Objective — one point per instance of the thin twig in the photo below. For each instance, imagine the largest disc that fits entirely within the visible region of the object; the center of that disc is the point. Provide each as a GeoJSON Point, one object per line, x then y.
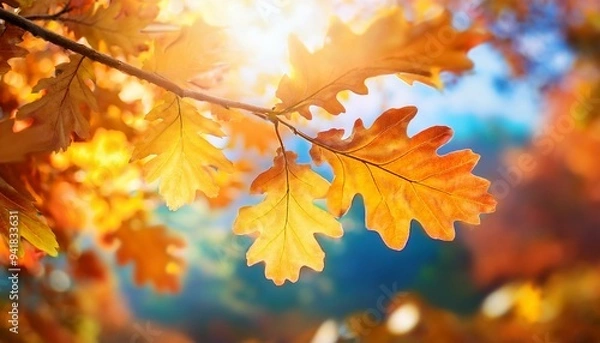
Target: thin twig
{"type": "Point", "coordinates": [94, 55]}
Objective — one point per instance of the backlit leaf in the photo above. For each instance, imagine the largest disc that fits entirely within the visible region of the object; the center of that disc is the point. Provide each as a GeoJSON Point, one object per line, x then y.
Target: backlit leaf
{"type": "Point", "coordinates": [391, 45]}
{"type": "Point", "coordinates": [195, 49]}
{"type": "Point", "coordinates": [286, 221]}
{"type": "Point", "coordinates": [109, 28]}
{"type": "Point", "coordinates": [138, 243]}
{"type": "Point", "coordinates": [57, 114]}
{"type": "Point", "coordinates": [402, 178]}
{"type": "Point", "coordinates": [10, 36]}
{"type": "Point", "coordinates": [30, 225]}
{"type": "Point", "coordinates": [181, 157]}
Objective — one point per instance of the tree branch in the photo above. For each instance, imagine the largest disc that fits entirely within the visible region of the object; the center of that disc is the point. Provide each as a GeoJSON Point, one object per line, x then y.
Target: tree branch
{"type": "Point", "coordinates": [94, 55]}
{"type": "Point", "coordinates": [263, 113]}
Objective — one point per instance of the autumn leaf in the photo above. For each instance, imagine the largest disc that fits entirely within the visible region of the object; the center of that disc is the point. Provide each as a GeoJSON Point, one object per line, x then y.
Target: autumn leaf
{"type": "Point", "coordinates": [390, 45]}
{"type": "Point", "coordinates": [286, 221]}
{"type": "Point", "coordinates": [109, 28]}
{"type": "Point", "coordinates": [149, 248]}
{"type": "Point", "coordinates": [35, 7]}
{"type": "Point", "coordinates": [57, 114]}
{"type": "Point", "coordinates": [10, 36]}
{"type": "Point", "coordinates": [20, 145]}
{"type": "Point", "coordinates": [182, 158]}
{"type": "Point", "coordinates": [230, 185]}
{"type": "Point", "coordinates": [143, 9]}
{"type": "Point", "coordinates": [402, 178]}
{"type": "Point", "coordinates": [31, 225]}
{"type": "Point", "coordinates": [250, 133]}
{"type": "Point", "coordinates": [194, 50]}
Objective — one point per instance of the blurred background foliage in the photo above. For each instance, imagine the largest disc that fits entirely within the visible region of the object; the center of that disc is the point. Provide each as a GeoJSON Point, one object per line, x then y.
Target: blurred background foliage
{"type": "Point", "coordinates": [529, 273]}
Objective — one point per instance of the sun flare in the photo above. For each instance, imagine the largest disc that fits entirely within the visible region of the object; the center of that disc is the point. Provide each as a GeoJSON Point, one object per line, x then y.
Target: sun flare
{"type": "Point", "coordinates": [260, 29]}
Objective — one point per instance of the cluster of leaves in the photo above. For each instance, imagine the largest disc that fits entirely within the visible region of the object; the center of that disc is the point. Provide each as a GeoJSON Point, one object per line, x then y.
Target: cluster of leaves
{"type": "Point", "coordinates": [78, 154]}
{"type": "Point", "coordinates": [401, 178]}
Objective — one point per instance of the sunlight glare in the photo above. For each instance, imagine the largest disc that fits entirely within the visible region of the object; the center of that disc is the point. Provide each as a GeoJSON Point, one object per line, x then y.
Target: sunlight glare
{"type": "Point", "coordinates": [260, 29]}
{"type": "Point", "coordinates": [499, 302]}
{"type": "Point", "coordinates": [326, 333]}
{"type": "Point", "coordinates": [404, 319]}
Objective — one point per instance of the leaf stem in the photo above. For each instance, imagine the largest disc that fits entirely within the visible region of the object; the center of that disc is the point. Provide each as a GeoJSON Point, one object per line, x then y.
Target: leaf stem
{"type": "Point", "coordinates": [327, 147]}
{"type": "Point", "coordinates": [39, 31]}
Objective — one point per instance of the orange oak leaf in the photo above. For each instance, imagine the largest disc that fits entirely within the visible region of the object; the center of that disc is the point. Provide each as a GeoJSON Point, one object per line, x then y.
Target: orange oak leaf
{"type": "Point", "coordinates": [181, 157]}
{"type": "Point", "coordinates": [390, 45]}
{"type": "Point", "coordinates": [30, 225]}
{"type": "Point", "coordinates": [10, 36]}
{"type": "Point", "coordinates": [143, 9]}
{"type": "Point", "coordinates": [57, 114]}
{"type": "Point", "coordinates": [14, 147]}
{"type": "Point", "coordinates": [51, 7]}
{"type": "Point", "coordinates": [109, 28]}
{"type": "Point", "coordinates": [150, 249]}
{"type": "Point", "coordinates": [194, 50]}
{"type": "Point", "coordinates": [286, 221]}
{"type": "Point", "coordinates": [402, 178]}
{"type": "Point", "coordinates": [231, 185]}
{"type": "Point", "coordinates": [251, 133]}
{"type": "Point", "coordinates": [36, 7]}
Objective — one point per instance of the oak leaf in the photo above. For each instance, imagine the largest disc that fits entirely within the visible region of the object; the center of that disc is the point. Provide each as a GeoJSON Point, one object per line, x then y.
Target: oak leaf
{"type": "Point", "coordinates": [109, 28]}
{"type": "Point", "coordinates": [149, 248]}
{"type": "Point", "coordinates": [286, 221]}
{"type": "Point", "coordinates": [390, 45]}
{"type": "Point", "coordinates": [181, 157]}
{"type": "Point", "coordinates": [31, 225]}
{"type": "Point", "coordinates": [402, 178]}
{"type": "Point", "coordinates": [12, 147]}
{"type": "Point", "coordinates": [57, 114]}
{"type": "Point", "coordinates": [10, 36]}
{"type": "Point", "coordinates": [143, 9]}
{"type": "Point", "coordinates": [194, 50]}
{"type": "Point", "coordinates": [37, 7]}
{"type": "Point", "coordinates": [231, 185]}
{"type": "Point", "coordinates": [249, 132]}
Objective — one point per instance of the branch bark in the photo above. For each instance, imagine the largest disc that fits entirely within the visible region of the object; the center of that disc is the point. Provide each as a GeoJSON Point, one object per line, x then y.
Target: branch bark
{"type": "Point", "coordinates": [263, 113]}
{"type": "Point", "coordinates": [97, 56]}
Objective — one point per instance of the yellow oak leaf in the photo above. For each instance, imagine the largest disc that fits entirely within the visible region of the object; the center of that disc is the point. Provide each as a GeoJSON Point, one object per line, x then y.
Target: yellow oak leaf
{"type": "Point", "coordinates": [402, 178]}
{"type": "Point", "coordinates": [390, 45]}
{"type": "Point", "coordinates": [30, 225]}
{"type": "Point", "coordinates": [150, 249]}
{"type": "Point", "coordinates": [194, 50]}
{"type": "Point", "coordinates": [181, 157]}
{"type": "Point", "coordinates": [231, 185]}
{"type": "Point", "coordinates": [36, 7]}
{"type": "Point", "coordinates": [286, 221]}
{"type": "Point", "coordinates": [10, 36]}
{"type": "Point", "coordinates": [57, 114]}
{"type": "Point", "coordinates": [109, 28]}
